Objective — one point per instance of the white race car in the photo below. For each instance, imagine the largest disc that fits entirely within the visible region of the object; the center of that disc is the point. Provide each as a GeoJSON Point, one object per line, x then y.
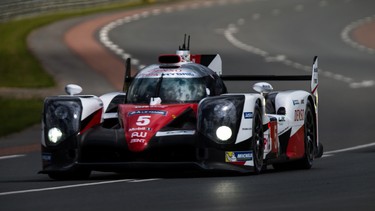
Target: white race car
{"type": "Point", "coordinates": [178, 114]}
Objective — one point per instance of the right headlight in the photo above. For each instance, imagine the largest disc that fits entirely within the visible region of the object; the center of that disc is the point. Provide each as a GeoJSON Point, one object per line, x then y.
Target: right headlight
{"type": "Point", "coordinates": [61, 118]}
{"type": "Point", "coordinates": [219, 118]}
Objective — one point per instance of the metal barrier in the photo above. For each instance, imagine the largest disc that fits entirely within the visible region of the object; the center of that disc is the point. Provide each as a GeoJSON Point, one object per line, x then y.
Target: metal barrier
{"type": "Point", "coordinates": [10, 9]}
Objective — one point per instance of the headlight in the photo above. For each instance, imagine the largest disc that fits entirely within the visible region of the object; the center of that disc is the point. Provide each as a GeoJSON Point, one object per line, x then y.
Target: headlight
{"type": "Point", "coordinates": [61, 118]}
{"type": "Point", "coordinates": [219, 118]}
{"type": "Point", "coordinates": [62, 112]}
{"type": "Point", "coordinates": [54, 135]}
{"type": "Point", "coordinates": [224, 133]}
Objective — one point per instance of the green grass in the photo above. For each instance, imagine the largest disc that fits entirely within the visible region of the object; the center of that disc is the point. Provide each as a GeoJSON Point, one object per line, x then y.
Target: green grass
{"type": "Point", "coordinates": [17, 114]}
{"type": "Point", "coordinates": [19, 68]}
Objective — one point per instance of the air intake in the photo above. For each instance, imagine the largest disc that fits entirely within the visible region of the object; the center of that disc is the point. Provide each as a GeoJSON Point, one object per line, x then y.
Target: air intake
{"type": "Point", "coordinates": [169, 59]}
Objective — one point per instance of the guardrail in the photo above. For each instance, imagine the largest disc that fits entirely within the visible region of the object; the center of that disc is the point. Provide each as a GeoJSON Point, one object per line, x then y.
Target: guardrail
{"type": "Point", "coordinates": [10, 9]}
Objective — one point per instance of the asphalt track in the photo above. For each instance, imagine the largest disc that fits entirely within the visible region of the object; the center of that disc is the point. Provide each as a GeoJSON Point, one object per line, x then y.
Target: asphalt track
{"type": "Point", "coordinates": [253, 37]}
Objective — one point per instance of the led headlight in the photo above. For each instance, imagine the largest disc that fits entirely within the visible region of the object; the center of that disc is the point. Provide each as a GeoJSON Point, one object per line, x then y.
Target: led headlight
{"type": "Point", "coordinates": [54, 135]}
{"type": "Point", "coordinates": [61, 118]}
{"type": "Point", "coordinates": [224, 133]}
{"type": "Point", "coordinates": [219, 118]}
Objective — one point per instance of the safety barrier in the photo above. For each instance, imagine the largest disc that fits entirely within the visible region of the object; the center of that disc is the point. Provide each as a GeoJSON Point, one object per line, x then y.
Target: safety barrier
{"type": "Point", "coordinates": [10, 9]}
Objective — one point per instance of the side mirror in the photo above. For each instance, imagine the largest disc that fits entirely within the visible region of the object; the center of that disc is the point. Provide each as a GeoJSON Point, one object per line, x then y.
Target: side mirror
{"type": "Point", "coordinates": [263, 87]}
{"type": "Point", "coordinates": [73, 89]}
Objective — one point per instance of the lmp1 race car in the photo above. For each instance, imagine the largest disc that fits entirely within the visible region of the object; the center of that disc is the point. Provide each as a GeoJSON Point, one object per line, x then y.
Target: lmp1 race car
{"type": "Point", "coordinates": [178, 115]}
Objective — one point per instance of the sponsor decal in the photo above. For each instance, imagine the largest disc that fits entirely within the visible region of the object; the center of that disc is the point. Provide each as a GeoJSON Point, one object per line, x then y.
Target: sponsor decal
{"type": "Point", "coordinates": [160, 112]}
{"type": "Point", "coordinates": [167, 73]}
{"type": "Point", "coordinates": [46, 157]}
{"type": "Point", "coordinates": [185, 74]}
{"type": "Point", "coordinates": [299, 115]}
{"type": "Point", "coordinates": [246, 128]}
{"type": "Point", "coordinates": [139, 134]}
{"type": "Point", "coordinates": [282, 119]}
{"type": "Point", "coordinates": [295, 102]}
{"type": "Point", "coordinates": [302, 101]}
{"type": "Point", "coordinates": [141, 106]}
{"type": "Point", "coordinates": [137, 140]}
{"type": "Point", "coordinates": [146, 75]}
{"type": "Point", "coordinates": [175, 132]}
{"type": "Point", "coordinates": [236, 156]}
{"type": "Point", "coordinates": [248, 115]}
{"type": "Point", "coordinates": [139, 128]}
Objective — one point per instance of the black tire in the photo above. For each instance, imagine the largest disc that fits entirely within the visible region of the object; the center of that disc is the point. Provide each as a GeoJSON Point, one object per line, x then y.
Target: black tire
{"type": "Point", "coordinates": [310, 139]}
{"type": "Point", "coordinates": [70, 175]}
{"type": "Point", "coordinates": [257, 142]}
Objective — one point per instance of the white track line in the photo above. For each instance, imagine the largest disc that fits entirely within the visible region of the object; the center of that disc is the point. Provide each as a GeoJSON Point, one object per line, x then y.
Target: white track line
{"type": "Point", "coordinates": [349, 149]}
{"type": "Point", "coordinates": [11, 156]}
{"type": "Point", "coordinates": [74, 186]}
{"type": "Point", "coordinates": [345, 34]}
{"type": "Point", "coordinates": [104, 32]}
{"type": "Point", "coordinates": [229, 35]}
{"type": "Point", "coordinates": [326, 154]}
{"type": "Point", "coordinates": [232, 29]}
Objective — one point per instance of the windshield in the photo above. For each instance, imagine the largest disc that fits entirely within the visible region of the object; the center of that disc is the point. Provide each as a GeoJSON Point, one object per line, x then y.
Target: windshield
{"type": "Point", "coordinates": [171, 90]}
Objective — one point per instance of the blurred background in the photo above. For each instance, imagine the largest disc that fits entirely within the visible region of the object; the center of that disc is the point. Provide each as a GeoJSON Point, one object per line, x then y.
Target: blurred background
{"type": "Point", "coordinates": [10, 9]}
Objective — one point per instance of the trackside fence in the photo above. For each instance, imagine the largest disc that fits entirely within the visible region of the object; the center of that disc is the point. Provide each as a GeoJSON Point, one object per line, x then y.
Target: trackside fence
{"type": "Point", "coordinates": [11, 9]}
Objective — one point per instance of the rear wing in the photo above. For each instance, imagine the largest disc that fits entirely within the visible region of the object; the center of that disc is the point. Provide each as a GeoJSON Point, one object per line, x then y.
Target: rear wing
{"type": "Point", "coordinates": [313, 78]}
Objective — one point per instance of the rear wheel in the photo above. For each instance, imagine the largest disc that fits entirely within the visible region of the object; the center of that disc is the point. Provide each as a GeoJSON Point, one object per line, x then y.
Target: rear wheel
{"type": "Point", "coordinates": [257, 142]}
{"type": "Point", "coordinates": [310, 144]}
{"type": "Point", "coordinates": [310, 139]}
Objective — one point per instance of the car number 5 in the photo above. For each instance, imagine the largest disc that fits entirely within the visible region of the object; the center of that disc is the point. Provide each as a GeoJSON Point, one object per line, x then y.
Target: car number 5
{"type": "Point", "coordinates": [143, 120]}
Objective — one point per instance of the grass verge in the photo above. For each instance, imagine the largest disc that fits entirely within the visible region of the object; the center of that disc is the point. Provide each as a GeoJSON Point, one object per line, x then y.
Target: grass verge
{"type": "Point", "coordinates": [17, 114]}
{"type": "Point", "coordinates": [19, 68]}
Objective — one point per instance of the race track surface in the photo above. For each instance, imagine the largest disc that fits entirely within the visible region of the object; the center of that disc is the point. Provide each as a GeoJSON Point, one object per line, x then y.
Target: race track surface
{"type": "Point", "coordinates": [252, 37]}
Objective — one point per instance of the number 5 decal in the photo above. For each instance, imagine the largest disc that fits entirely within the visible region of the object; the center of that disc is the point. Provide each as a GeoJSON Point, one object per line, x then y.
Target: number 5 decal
{"type": "Point", "coordinates": [143, 120]}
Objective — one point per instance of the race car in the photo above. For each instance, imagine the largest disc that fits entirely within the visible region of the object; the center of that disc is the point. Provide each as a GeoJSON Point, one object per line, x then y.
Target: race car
{"type": "Point", "coordinates": [178, 114]}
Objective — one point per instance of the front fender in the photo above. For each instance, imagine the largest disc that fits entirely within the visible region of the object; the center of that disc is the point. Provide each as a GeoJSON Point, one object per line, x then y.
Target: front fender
{"type": "Point", "coordinates": [64, 119]}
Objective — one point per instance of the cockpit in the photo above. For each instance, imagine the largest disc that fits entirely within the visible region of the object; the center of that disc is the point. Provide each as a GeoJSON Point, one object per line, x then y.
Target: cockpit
{"type": "Point", "coordinates": [170, 90]}
{"type": "Point", "coordinates": [186, 83]}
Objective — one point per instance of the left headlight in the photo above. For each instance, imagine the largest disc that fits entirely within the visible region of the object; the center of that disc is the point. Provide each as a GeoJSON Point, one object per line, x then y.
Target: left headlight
{"type": "Point", "coordinates": [54, 135]}
{"type": "Point", "coordinates": [61, 118]}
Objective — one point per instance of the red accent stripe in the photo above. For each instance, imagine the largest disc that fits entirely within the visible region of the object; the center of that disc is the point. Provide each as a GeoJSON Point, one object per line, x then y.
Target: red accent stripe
{"type": "Point", "coordinates": [314, 90]}
{"type": "Point", "coordinates": [95, 120]}
{"type": "Point", "coordinates": [238, 163]}
{"type": "Point", "coordinates": [296, 144]}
